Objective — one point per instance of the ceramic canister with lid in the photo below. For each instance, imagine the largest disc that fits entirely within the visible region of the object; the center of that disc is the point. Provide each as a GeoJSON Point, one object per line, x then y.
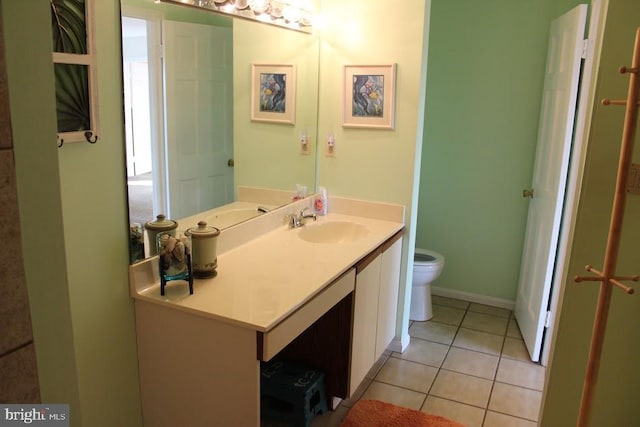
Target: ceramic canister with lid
{"type": "Point", "coordinates": [204, 258]}
{"type": "Point", "coordinates": [153, 228]}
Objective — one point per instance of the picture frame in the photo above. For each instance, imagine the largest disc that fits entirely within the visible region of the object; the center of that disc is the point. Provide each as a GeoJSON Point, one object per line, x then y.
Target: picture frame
{"type": "Point", "coordinates": [369, 96]}
{"type": "Point", "coordinates": [273, 93]}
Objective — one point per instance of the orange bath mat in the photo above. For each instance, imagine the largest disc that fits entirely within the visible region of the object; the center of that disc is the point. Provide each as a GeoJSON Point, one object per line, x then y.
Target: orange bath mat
{"type": "Point", "coordinates": [374, 413]}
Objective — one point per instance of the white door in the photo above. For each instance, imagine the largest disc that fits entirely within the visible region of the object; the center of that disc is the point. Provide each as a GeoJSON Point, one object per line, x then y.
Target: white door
{"type": "Point", "coordinates": [553, 152]}
{"type": "Point", "coordinates": [140, 117]}
{"type": "Point", "coordinates": [198, 106]}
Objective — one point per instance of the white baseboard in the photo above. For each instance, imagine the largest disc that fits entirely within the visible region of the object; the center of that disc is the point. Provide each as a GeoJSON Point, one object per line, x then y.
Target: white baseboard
{"type": "Point", "coordinates": [399, 345]}
{"type": "Point", "coordinates": [471, 297]}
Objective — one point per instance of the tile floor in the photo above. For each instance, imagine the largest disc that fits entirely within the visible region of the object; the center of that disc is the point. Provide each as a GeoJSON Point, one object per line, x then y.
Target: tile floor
{"type": "Point", "coordinates": [468, 363]}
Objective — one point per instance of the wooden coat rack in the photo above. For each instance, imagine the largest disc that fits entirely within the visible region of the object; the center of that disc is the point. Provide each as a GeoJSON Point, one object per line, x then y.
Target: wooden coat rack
{"type": "Point", "coordinates": [608, 278]}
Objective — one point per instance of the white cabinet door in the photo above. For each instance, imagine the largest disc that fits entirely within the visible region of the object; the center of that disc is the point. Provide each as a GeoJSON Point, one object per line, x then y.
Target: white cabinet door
{"type": "Point", "coordinates": [365, 317]}
{"type": "Point", "coordinates": [388, 296]}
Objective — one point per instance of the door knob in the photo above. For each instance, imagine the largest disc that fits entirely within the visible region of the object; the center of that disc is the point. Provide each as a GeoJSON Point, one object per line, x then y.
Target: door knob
{"type": "Point", "coordinates": [527, 193]}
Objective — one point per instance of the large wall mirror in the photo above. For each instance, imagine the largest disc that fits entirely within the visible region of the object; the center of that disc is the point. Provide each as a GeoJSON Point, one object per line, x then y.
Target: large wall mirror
{"type": "Point", "coordinates": [193, 145]}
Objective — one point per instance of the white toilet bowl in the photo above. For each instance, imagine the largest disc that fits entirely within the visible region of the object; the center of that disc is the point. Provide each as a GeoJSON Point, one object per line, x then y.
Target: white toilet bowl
{"type": "Point", "coordinates": [427, 266]}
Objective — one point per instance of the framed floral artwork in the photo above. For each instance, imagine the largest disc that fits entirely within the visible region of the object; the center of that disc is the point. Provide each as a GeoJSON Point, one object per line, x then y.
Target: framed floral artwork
{"type": "Point", "coordinates": [273, 93]}
{"type": "Point", "coordinates": [369, 96]}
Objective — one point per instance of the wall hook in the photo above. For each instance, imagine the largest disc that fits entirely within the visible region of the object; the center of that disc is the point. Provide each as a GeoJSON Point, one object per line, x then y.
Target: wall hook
{"type": "Point", "coordinates": [88, 134]}
{"type": "Point", "coordinates": [60, 142]}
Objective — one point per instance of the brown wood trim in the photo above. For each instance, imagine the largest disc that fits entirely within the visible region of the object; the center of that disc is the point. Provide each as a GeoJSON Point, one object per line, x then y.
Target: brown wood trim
{"type": "Point", "coordinates": [259, 344]}
{"type": "Point", "coordinates": [391, 240]}
{"type": "Point", "coordinates": [368, 259]}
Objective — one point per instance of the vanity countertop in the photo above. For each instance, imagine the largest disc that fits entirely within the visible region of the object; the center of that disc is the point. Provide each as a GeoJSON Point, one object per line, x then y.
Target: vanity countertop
{"type": "Point", "coordinates": [261, 282]}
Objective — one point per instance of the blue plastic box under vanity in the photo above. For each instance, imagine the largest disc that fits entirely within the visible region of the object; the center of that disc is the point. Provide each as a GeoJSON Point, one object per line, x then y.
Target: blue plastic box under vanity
{"type": "Point", "coordinates": [291, 393]}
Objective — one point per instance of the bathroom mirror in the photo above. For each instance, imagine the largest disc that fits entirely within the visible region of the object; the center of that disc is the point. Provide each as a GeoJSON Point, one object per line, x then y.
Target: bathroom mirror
{"type": "Point", "coordinates": [182, 118]}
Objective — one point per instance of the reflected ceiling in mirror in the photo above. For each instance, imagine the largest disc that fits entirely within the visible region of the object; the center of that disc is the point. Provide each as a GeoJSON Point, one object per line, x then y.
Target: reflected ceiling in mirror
{"type": "Point", "coordinates": [292, 14]}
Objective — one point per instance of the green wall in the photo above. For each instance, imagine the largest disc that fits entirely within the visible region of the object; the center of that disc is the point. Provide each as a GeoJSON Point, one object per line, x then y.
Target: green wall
{"type": "Point", "coordinates": [484, 88]}
{"type": "Point", "coordinates": [39, 196]}
{"type": "Point", "coordinates": [617, 402]}
{"type": "Point", "coordinates": [268, 154]}
{"type": "Point", "coordinates": [73, 207]}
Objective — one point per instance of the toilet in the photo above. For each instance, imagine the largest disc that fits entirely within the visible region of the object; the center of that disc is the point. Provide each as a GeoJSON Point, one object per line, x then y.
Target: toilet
{"type": "Point", "coordinates": [427, 266]}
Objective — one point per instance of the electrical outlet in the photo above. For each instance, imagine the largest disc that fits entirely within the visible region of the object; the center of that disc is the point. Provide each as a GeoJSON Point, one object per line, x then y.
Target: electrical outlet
{"type": "Point", "coordinates": [331, 146]}
{"type": "Point", "coordinates": [304, 144]}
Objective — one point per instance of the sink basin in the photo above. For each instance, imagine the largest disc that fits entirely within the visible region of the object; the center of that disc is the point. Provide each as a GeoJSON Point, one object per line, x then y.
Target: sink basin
{"type": "Point", "coordinates": [333, 232]}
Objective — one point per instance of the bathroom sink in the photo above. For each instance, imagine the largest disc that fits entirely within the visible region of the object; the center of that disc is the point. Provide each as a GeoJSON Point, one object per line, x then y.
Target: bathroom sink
{"type": "Point", "coordinates": [333, 232]}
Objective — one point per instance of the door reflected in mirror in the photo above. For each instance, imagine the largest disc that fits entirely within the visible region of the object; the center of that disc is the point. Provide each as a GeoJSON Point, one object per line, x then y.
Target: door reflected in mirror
{"type": "Point", "coordinates": [191, 147]}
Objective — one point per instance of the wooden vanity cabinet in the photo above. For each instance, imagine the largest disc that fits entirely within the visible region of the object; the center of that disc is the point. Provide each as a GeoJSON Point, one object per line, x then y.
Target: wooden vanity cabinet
{"type": "Point", "coordinates": [375, 306]}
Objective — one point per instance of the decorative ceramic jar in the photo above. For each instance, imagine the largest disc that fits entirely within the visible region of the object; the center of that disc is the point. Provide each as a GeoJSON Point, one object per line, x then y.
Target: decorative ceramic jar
{"type": "Point", "coordinates": [204, 252]}
{"type": "Point", "coordinates": [160, 225]}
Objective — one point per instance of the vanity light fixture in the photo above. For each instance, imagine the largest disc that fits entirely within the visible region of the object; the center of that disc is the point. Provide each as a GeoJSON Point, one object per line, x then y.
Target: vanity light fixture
{"type": "Point", "coordinates": [293, 14]}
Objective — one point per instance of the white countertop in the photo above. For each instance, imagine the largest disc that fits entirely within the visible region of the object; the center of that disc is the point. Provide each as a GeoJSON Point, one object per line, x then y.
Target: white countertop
{"type": "Point", "coordinates": [261, 282]}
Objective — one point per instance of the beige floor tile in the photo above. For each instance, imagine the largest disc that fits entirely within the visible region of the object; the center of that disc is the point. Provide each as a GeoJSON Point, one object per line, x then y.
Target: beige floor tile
{"type": "Point", "coordinates": [485, 323]}
{"type": "Point", "coordinates": [331, 418]}
{"type": "Point", "coordinates": [522, 374]}
{"type": "Point", "coordinates": [516, 401]}
{"type": "Point", "coordinates": [461, 388]}
{"type": "Point", "coordinates": [493, 419]}
{"type": "Point", "coordinates": [433, 331]}
{"type": "Point", "coordinates": [471, 362]}
{"type": "Point", "coordinates": [448, 315]}
{"type": "Point", "coordinates": [407, 374]}
{"type": "Point", "coordinates": [449, 302]}
{"type": "Point", "coordinates": [488, 309]}
{"type": "Point", "coordinates": [470, 416]}
{"type": "Point", "coordinates": [513, 330]}
{"type": "Point", "coordinates": [515, 348]}
{"type": "Point", "coordinates": [427, 352]}
{"type": "Point", "coordinates": [479, 341]}
{"type": "Point", "coordinates": [396, 395]}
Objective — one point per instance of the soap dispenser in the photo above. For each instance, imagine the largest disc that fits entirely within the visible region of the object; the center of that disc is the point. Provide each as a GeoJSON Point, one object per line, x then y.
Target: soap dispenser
{"type": "Point", "coordinates": [320, 201]}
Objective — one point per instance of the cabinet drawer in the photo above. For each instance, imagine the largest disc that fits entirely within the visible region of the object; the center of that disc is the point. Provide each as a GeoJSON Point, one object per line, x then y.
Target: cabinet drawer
{"type": "Point", "coordinates": [270, 343]}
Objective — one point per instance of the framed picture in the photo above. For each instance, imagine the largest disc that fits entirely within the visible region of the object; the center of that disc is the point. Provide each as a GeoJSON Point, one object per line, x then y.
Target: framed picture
{"type": "Point", "coordinates": [369, 96]}
{"type": "Point", "coordinates": [273, 93]}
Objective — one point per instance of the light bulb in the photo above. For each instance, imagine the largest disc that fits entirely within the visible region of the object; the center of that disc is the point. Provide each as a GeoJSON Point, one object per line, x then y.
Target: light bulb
{"type": "Point", "coordinates": [259, 6]}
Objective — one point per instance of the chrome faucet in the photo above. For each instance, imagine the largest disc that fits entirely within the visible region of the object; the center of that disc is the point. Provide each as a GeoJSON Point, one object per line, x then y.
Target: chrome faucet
{"type": "Point", "coordinates": [296, 221]}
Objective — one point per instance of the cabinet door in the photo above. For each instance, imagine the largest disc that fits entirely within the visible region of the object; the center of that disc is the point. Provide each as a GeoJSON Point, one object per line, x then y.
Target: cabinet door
{"type": "Point", "coordinates": [388, 296]}
{"type": "Point", "coordinates": [365, 316]}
